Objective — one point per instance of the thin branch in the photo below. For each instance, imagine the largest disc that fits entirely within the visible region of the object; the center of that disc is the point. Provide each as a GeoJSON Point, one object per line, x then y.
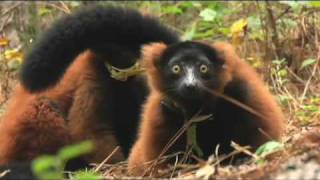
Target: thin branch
{"type": "Point", "coordinates": [295, 76]}
{"type": "Point", "coordinates": [11, 8]}
{"type": "Point", "coordinates": [106, 159]}
{"type": "Point", "coordinates": [63, 4]}
{"type": "Point", "coordinates": [274, 35]}
{"type": "Point", "coordinates": [67, 11]}
{"type": "Point", "coordinates": [283, 13]}
{"type": "Point", "coordinates": [310, 78]}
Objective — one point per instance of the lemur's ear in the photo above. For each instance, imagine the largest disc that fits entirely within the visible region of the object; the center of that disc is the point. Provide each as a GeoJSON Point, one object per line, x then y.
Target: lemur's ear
{"type": "Point", "coordinates": [152, 53]}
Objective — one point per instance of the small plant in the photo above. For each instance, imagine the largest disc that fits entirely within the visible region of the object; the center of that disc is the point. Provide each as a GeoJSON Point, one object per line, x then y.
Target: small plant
{"type": "Point", "coordinates": [48, 167]}
{"type": "Point", "coordinates": [267, 149]}
{"type": "Point", "coordinates": [309, 111]}
{"type": "Point", "coordinates": [86, 175]}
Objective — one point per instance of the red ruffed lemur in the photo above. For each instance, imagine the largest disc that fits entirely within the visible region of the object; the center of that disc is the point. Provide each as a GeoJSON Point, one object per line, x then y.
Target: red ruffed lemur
{"type": "Point", "coordinates": [188, 78]}
{"type": "Point", "coordinates": [66, 93]}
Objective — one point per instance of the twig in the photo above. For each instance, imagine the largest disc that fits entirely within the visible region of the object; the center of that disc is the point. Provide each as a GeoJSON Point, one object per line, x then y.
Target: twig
{"type": "Point", "coordinates": [236, 102]}
{"type": "Point", "coordinates": [194, 118]}
{"type": "Point", "coordinates": [233, 153]}
{"type": "Point", "coordinates": [106, 159]}
{"type": "Point", "coordinates": [283, 13]}
{"type": "Point", "coordinates": [67, 11]}
{"type": "Point", "coordinates": [168, 145]}
{"type": "Point", "coordinates": [5, 22]}
{"type": "Point", "coordinates": [274, 35]}
{"type": "Point", "coordinates": [5, 172]}
{"type": "Point", "coordinates": [244, 150]}
{"type": "Point", "coordinates": [296, 76]}
{"type": "Point", "coordinates": [65, 7]}
{"type": "Point", "coordinates": [311, 76]}
{"type": "Point", "coordinates": [11, 8]}
{"type": "Point", "coordinates": [265, 29]}
{"type": "Point", "coordinates": [265, 134]}
{"type": "Point", "coordinates": [174, 167]}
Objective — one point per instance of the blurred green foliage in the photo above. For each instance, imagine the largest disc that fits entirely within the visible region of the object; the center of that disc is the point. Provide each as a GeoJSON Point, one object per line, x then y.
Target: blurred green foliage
{"type": "Point", "coordinates": [52, 167]}
{"type": "Point", "coordinates": [267, 149]}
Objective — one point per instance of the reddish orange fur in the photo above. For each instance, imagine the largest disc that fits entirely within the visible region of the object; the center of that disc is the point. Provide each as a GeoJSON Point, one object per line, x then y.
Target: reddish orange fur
{"type": "Point", "coordinates": [154, 133]}
{"type": "Point", "coordinates": [151, 54]}
{"type": "Point", "coordinates": [262, 101]}
{"type": "Point", "coordinates": [32, 126]}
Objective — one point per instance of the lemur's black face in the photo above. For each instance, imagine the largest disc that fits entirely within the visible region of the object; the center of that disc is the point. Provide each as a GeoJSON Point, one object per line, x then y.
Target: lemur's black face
{"type": "Point", "coordinates": [189, 68]}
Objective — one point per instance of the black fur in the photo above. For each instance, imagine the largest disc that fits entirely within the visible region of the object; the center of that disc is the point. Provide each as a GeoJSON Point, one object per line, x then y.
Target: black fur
{"type": "Point", "coordinates": [228, 120]}
{"type": "Point", "coordinates": [185, 55]}
{"type": "Point", "coordinates": [108, 31]}
{"type": "Point", "coordinates": [18, 170]}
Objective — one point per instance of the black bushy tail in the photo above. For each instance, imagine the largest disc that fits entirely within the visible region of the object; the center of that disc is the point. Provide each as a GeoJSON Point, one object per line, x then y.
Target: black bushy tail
{"type": "Point", "coordinates": [89, 28]}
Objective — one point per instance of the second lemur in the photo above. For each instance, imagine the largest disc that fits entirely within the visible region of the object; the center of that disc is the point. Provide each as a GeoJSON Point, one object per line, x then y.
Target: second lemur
{"type": "Point", "coordinates": [182, 78]}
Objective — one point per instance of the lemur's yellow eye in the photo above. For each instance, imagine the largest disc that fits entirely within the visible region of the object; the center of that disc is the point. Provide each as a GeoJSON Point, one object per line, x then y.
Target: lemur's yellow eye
{"type": "Point", "coordinates": [204, 68]}
{"type": "Point", "coordinates": [176, 69]}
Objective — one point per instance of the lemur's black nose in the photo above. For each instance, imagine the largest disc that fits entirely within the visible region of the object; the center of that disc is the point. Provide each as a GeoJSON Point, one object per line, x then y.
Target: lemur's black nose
{"type": "Point", "coordinates": [190, 90]}
{"type": "Point", "coordinates": [191, 87]}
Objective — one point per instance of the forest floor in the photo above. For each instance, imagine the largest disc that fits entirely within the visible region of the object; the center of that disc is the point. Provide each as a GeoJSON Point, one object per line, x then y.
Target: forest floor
{"type": "Point", "coordinates": [298, 159]}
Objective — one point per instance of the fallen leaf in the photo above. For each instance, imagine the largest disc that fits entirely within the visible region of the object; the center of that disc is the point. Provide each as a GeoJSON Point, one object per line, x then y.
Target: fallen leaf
{"type": "Point", "coordinates": [237, 31]}
{"type": "Point", "coordinates": [238, 26]}
{"type": "Point", "coordinates": [4, 41]}
{"type": "Point", "coordinates": [13, 54]}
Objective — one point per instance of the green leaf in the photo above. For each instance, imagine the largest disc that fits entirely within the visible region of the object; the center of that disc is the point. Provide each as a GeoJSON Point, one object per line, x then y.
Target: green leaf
{"type": "Point", "coordinates": [268, 148]}
{"type": "Point", "coordinates": [204, 35]}
{"type": "Point", "coordinates": [52, 166]}
{"type": "Point", "coordinates": [44, 11]}
{"type": "Point", "coordinates": [283, 73]}
{"type": "Point", "coordinates": [225, 31]}
{"type": "Point", "coordinates": [313, 108]}
{"type": "Point", "coordinates": [76, 150]}
{"type": "Point", "coordinates": [192, 140]}
{"type": "Point", "coordinates": [279, 61]}
{"type": "Point", "coordinates": [47, 167]}
{"type": "Point", "coordinates": [172, 10]}
{"type": "Point", "coordinates": [307, 63]}
{"type": "Point", "coordinates": [208, 14]}
{"type": "Point", "coordinates": [283, 99]}
{"type": "Point", "coordinates": [315, 4]}
{"type": "Point", "coordinates": [186, 5]}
